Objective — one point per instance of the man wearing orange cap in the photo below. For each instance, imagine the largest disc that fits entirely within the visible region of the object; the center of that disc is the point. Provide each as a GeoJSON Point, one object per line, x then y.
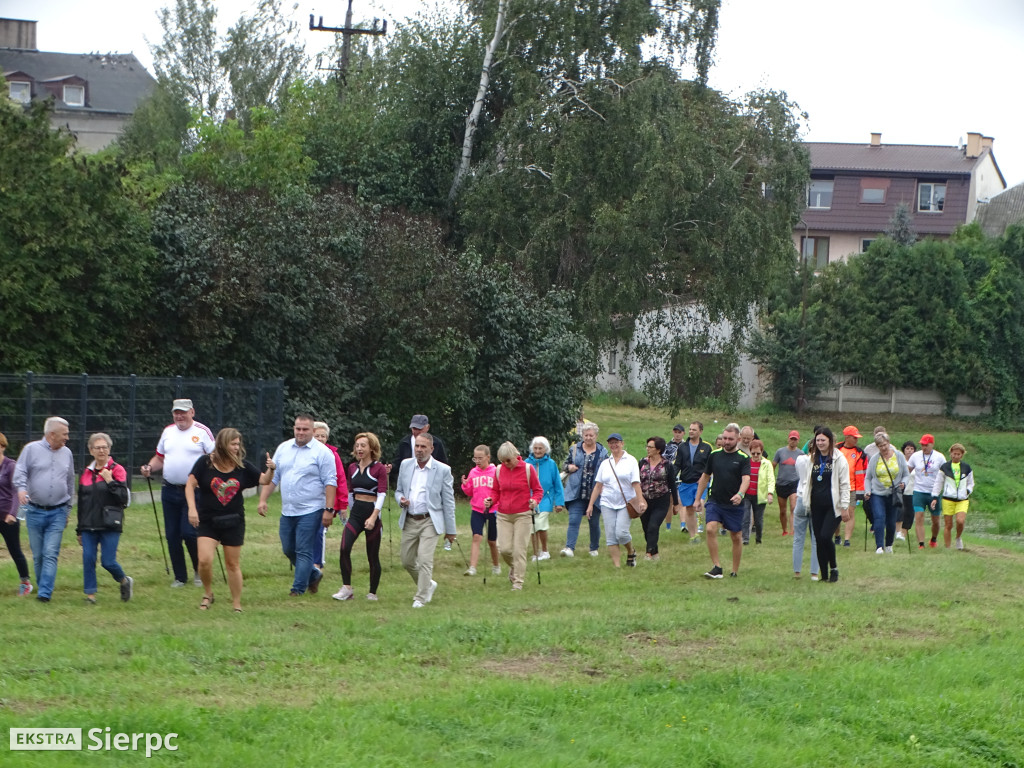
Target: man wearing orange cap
{"type": "Point", "coordinates": [925, 465]}
{"type": "Point", "coordinates": [858, 463]}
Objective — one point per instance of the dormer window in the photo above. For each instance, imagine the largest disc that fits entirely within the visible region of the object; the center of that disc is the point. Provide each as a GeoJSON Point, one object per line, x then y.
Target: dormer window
{"type": "Point", "coordinates": [74, 95]}
{"type": "Point", "coordinates": [931, 197]}
{"type": "Point", "coordinates": [19, 91]}
{"type": "Point", "coordinates": [819, 194]}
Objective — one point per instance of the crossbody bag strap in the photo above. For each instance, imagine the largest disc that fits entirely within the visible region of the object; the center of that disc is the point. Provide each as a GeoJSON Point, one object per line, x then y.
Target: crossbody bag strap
{"type": "Point", "coordinates": [617, 481]}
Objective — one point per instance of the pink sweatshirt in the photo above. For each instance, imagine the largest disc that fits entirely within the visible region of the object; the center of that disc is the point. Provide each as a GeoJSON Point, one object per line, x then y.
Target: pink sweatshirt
{"type": "Point", "coordinates": [478, 486]}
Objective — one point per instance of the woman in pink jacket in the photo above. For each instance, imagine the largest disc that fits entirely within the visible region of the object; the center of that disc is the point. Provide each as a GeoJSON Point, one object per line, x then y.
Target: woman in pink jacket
{"type": "Point", "coordinates": [516, 493]}
{"type": "Point", "coordinates": [478, 486]}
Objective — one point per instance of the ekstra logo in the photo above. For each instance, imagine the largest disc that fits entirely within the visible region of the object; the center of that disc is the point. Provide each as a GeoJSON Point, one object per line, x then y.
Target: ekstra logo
{"type": "Point", "coordinates": [50, 739]}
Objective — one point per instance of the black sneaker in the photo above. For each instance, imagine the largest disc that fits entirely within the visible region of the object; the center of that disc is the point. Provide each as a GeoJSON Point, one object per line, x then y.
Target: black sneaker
{"type": "Point", "coordinates": [838, 540]}
{"type": "Point", "coordinates": [126, 588]}
{"type": "Point", "coordinates": [732, 575]}
{"type": "Point", "coordinates": [631, 561]}
{"type": "Point", "coordinates": [834, 576]}
{"type": "Point", "coordinates": [42, 599]}
{"type": "Point", "coordinates": [714, 573]}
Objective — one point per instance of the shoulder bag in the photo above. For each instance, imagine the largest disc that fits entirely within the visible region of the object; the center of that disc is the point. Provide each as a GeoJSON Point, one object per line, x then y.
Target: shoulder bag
{"type": "Point", "coordinates": [634, 512]}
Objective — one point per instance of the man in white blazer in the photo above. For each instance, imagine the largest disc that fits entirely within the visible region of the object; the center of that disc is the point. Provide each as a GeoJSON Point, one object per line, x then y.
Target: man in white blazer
{"type": "Point", "coordinates": [426, 495]}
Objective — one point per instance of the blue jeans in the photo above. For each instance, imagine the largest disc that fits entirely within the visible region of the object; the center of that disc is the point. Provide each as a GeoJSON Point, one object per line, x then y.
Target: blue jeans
{"type": "Point", "coordinates": [178, 531]}
{"type": "Point", "coordinates": [577, 511]}
{"type": "Point", "coordinates": [45, 530]}
{"type": "Point", "coordinates": [107, 541]}
{"type": "Point", "coordinates": [299, 542]}
{"type": "Point", "coordinates": [883, 519]}
{"type": "Point", "coordinates": [801, 526]}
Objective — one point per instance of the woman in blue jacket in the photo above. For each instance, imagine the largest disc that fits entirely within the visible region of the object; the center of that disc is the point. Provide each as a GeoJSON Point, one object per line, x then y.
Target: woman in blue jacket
{"type": "Point", "coordinates": [554, 494]}
{"type": "Point", "coordinates": [581, 467]}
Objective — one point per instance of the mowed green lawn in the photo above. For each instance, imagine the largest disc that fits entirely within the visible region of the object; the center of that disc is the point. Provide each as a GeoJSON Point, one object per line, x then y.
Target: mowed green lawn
{"type": "Point", "coordinates": [912, 659]}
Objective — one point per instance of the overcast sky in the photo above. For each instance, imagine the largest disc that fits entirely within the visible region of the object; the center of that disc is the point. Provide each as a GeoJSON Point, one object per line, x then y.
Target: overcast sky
{"type": "Point", "coordinates": [919, 72]}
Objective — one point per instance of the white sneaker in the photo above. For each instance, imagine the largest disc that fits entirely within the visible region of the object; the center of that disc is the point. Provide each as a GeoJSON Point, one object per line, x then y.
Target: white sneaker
{"type": "Point", "coordinates": [471, 571]}
{"type": "Point", "coordinates": [900, 536]}
{"type": "Point", "coordinates": [447, 546]}
{"type": "Point", "coordinates": [815, 577]}
{"type": "Point", "coordinates": [417, 604]}
{"type": "Point", "coordinates": [880, 551]}
{"type": "Point", "coordinates": [175, 584]}
{"type": "Point", "coordinates": [566, 552]}
{"type": "Point", "coordinates": [959, 543]}
{"type": "Point", "coordinates": [431, 591]}
{"type": "Point", "coordinates": [593, 553]}
{"type": "Point", "coordinates": [533, 559]}
{"type": "Point", "coordinates": [196, 580]}
{"type": "Point", "coordinates": [345, 593]}
{"type": "Point", "coordinates": [545, 555]}
{"type": "Point", "coordinates": [888, 550]}
{"type": "Point", "coordinates": [496, 570]}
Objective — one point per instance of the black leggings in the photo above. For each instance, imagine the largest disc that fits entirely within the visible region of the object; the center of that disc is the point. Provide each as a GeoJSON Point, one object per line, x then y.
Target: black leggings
{"type": "Point", "coordinates": [12, 538]}
{"type": "Point", "coordinates": [355, 525]}
{"type": "Point", "coordinates": [825, 523]}
{"type": "Point", "coordinates": [652, 519]}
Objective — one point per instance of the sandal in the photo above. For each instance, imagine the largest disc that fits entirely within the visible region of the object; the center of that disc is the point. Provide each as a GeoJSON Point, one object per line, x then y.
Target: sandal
{"type": "Point", "coordinates": [206, 602]}
{"type": "Point", "coordinates": [238, 610]}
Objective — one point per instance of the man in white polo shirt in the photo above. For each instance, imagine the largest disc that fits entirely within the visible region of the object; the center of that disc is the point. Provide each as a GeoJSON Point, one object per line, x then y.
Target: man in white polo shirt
{"type": "Point", "coordinates": [180, 445]}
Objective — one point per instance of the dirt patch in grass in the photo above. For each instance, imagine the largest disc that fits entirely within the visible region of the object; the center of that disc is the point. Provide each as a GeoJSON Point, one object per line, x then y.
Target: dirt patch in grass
{"type": "Point", "coordinates": [545, 665]}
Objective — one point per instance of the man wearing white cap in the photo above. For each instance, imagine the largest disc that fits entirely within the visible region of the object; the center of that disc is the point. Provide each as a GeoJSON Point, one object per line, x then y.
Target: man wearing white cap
{"type": "Point", "coordinates": [180, 445]}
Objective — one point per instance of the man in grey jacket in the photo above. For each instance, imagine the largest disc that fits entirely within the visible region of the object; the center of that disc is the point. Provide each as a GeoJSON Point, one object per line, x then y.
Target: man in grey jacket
{"type": "Point", "coordinates": [45, 481]}
{"type": "Point", "coordinates": [426, 495]}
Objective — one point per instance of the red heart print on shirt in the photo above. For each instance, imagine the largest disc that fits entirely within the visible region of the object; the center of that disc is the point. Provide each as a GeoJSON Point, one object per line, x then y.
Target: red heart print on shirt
{"type": "Point", "coordinates": [225, 489]}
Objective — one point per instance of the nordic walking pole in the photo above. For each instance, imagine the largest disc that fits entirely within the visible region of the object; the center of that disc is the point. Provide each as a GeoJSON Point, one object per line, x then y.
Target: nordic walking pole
{"type": "Point", "coordinates": [533, 520]}
{"type": "Point", "coordinates": [159, 533]}
{"type": "Point", "coordinates": [391, 550]}
{"type": "Point", "coordinates": [222, 573]}
{"type": "Point", "coordinates": [462, 553]}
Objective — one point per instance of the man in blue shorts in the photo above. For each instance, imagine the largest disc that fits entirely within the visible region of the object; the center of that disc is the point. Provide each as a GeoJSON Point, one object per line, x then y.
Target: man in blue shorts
{"type": "Point", "coordinates": [730, 468]}
{"type": "Point", "coordinates": [691, 458]}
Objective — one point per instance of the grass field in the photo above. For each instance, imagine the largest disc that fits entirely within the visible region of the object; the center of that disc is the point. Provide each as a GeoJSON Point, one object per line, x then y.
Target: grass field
{"type": "Point", "coordinates": [912, 659]}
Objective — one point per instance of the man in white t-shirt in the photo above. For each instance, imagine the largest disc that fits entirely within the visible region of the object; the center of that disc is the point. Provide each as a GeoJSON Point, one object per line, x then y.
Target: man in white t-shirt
{"type": "Point", "coordinates": [180, 445]}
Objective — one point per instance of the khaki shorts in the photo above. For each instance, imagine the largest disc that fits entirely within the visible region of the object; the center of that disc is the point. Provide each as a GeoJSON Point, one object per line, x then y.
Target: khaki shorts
{"type": "Point", "coordinates": [540, 521]}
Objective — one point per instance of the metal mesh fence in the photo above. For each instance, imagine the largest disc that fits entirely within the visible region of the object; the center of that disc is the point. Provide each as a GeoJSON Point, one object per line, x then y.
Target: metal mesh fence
{"type": "Point", "coordinates": [134, 410]}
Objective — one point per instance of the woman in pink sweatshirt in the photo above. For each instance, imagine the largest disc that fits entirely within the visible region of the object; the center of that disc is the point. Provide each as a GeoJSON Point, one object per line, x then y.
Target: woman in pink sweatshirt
{"type": "Point", "coordinates": [478, 485]}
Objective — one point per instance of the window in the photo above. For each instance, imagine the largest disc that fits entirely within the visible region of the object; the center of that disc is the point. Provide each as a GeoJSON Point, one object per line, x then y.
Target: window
{"type": "Point", "coordinates": [20, 91]}
{"type": "Point", "coordinates": [814, 251]}
{"type": "Point", "coordinates": [819, 194]}
{"type": "Point", "coordinates": [872, 191]}
{"type": "Point", "coordinates": [74, 95]}
{"type": "Point", "coordinates": [865, 243]}
{"type": "Point", "coordinates": [931, 197]}
{"type": "Point", "coordinates": [613, 362]}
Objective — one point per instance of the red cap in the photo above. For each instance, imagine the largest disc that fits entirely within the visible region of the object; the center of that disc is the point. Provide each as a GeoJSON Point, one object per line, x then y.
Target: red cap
{"type": "Point", "coordinates": [927, 439]}
{"type": "Point", "coordinates": [851, 431]}
{"type": "Point", "coordinates": [795, 434]}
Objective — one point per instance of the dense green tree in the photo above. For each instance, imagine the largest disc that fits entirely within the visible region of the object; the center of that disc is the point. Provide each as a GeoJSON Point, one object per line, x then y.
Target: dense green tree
{"type": "Point", "coordinates": [640, 190]}
{"type": "Point", "coordinates": [74, 251]}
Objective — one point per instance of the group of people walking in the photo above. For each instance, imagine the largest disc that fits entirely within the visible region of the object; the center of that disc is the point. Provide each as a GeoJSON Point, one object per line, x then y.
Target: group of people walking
{"type": "Point", "coordinates": [817, 488]}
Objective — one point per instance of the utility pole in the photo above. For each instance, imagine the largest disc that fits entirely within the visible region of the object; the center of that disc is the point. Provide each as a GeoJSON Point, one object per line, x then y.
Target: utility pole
{"type": "Point", "coordinates": [346, 46]}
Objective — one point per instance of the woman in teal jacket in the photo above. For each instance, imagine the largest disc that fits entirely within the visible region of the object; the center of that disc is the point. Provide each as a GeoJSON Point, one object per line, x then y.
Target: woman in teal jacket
{"type": "Point", "coordinates": [554, 494]}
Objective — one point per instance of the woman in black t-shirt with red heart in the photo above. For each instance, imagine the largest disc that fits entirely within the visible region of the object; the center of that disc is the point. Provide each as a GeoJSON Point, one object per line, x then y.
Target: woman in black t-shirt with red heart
{"type": "Point", "coordinates": [218, 511]}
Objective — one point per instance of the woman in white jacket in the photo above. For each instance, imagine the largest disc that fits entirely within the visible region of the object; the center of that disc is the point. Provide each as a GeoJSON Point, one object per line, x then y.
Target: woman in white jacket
{"type": "Point", "coordinates": [954, 484]}
{"type": "Point", "coordinates": [827, 495]}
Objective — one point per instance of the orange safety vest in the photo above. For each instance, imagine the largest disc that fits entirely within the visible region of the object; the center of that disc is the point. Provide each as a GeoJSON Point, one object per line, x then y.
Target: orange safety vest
{"type": "Point", "coordinates": [858, 462]}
